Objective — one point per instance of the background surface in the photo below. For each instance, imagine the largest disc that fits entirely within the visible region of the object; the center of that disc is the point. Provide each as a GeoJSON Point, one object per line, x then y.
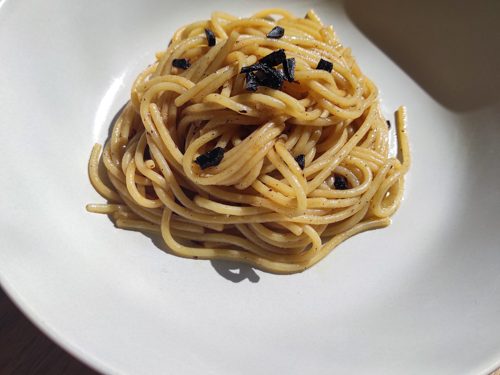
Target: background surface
{"type": "Point", "coordinates": [26, 350]}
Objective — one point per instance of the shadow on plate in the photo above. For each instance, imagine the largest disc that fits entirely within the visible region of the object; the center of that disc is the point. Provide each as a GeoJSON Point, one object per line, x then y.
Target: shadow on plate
{"type": "Point", "coordinates": [450, 48]}
{"type": "Point", "coordinates": [235, 271]}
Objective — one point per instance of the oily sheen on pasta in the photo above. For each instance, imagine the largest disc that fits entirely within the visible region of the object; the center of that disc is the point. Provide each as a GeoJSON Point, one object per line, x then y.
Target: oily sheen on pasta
{"type": "Point", "coordinates": [252, 139]}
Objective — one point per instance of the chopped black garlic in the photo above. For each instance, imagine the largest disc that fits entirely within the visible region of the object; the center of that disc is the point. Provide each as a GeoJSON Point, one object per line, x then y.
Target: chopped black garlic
{"type": "Point", "coordinates": [251, 68]}
{"type": "Point", "coordinates": [340, 182]}
{"type": "Point", "coordinates": [210, 37]}
{"type": "Point", "coordinates": [270, 77]}
{"type": "Point", "coordinates": [263, 75]}
{"type": "Point", "coordinates": [274, 58]}
{"type": "Point", "coordinates": [181, 63]}
{"type": "Point", "coordinates": [325, 65]}
{"type": "Point", "coordinates": [301, 160]}
{"type": "Point", "coordinates": [210, 158]}
{"type": "Point", "coordinates": [276, 33]}
{"type": "Point", "coordinates": [251, 82]}
{"type": "Point", "coordinates": [289, 69]}
{"type": "Point", "coordinates": [388, 124]}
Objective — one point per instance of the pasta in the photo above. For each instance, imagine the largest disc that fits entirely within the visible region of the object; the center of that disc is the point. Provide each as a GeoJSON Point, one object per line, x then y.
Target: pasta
{"type": "Point", "coordinates": [252, 139]}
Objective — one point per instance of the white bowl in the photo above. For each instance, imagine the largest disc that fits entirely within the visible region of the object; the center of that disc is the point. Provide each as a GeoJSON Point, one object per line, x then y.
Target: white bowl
{"type": "Point", "coordinates": [420, 297]}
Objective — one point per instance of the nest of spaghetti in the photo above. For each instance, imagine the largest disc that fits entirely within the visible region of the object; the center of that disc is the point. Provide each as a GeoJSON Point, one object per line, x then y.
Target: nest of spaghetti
{"type": "Point", "coordinates": [252, 139]}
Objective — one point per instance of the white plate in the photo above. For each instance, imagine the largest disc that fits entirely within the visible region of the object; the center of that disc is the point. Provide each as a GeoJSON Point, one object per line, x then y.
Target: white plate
{"type": "Point", "coordinates": [422, 296]}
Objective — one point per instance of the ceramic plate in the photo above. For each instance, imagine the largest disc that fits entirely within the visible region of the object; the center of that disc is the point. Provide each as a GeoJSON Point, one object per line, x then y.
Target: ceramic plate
{"type": "Point", "coordinates": [419, 297]}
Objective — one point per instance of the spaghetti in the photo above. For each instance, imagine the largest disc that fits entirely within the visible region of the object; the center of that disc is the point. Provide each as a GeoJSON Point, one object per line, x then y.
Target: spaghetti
{"type": "Point", "coordinates": [252, 139]}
